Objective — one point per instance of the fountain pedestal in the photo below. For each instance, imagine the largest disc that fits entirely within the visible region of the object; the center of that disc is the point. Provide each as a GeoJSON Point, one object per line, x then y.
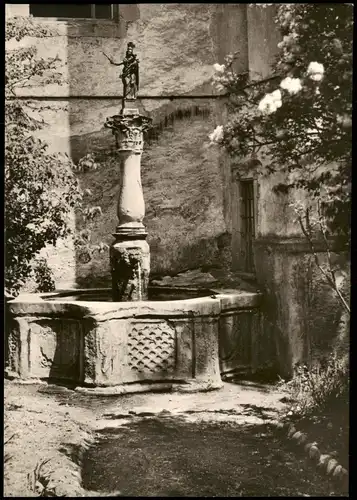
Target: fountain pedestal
{"type": "Point", "coordinates": [130, 253]}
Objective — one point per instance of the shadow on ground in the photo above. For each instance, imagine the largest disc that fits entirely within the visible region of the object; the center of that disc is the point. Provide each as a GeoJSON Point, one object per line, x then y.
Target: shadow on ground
{"type": "Point", "coordinates": [168, 456]}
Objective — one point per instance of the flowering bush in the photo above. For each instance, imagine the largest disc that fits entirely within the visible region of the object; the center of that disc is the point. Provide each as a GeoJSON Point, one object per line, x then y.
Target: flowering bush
{"type": "Point", "coordinates": [271, 102]}
{"type": "Point", "coordinates": [292, 85]}
{"type": "Point", "coordinates": [299, 120]}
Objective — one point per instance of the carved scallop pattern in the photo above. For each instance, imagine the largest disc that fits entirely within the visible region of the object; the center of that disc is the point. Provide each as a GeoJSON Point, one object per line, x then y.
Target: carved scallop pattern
{"type": "Point", "coordinates": [151, 347]}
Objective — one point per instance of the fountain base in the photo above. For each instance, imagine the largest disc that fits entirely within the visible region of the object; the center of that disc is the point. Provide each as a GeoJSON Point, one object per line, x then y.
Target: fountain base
{"type": "Point", "coordinates": [109, 347]}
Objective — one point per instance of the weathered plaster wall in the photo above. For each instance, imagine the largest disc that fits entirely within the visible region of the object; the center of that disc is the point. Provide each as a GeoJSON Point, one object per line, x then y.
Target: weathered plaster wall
{"type": "Point", "coordinates": [300, 311]}
{"type": "Point", "coordinates": [275, 215]}
{"type": "Point", "coordinates": [263, 38]}
{"type": "Point", "coordinates": [182, 187]}
{"type": "Point", "coordinates": [177, 45]}
{"type": "Point", "coordinates": [299, 307]}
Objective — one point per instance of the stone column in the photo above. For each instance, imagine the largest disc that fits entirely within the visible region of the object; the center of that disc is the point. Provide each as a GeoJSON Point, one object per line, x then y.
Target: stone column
{"type": "Point", "coordinates": [130, 253]}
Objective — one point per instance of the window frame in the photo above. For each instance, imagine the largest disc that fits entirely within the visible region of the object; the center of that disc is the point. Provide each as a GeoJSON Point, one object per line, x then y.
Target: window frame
{"type": "Point", "coordinates": [239, 263]}
{"type": "Point", "coordinates": [247, 259]}
{"type": "Point", "coordinates": [114, 15]}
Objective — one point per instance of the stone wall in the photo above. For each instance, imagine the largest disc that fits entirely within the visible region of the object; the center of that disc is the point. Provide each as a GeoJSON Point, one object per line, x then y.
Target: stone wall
{"type": "Point", "coordinates": [183, 190]}
{"type": "Point", "coordinates": [301, 313]}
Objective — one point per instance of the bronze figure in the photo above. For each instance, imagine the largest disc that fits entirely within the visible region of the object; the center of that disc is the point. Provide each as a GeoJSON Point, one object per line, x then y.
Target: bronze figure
{"type": "Point", "coordinates": [130, 73]}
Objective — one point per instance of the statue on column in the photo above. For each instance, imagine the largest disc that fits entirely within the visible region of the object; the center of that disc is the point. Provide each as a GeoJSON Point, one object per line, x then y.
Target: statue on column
{"type": "Point", "coordinates": [130, 252]}
{"type": "Point", "coordinates": [130, 73]}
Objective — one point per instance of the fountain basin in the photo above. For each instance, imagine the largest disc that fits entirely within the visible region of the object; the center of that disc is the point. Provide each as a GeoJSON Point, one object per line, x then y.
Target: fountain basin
{"type": "Point", "coordinates": [81, 336]}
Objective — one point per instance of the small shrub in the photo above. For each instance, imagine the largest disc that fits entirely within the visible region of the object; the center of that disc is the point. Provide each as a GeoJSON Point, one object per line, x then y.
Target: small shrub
{"type": "Point", "coordinates": [319, 387]}
{"type": "Point", "coordinates": [36, 482]}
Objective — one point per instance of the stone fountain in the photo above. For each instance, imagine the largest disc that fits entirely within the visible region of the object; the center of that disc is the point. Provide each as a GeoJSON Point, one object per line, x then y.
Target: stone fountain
{"type": "Point", "coordinates": [133, 337]}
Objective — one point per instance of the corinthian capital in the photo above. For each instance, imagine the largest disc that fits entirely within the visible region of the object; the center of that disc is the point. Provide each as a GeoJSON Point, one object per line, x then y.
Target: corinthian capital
{"type": "Point", "coordinates": [128, 130]}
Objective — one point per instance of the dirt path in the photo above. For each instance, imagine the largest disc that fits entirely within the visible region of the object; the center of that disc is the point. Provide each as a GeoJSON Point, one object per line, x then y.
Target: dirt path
{"type": "Point", "coordinates": [40, 427]}
{"type": "Point", "coordinates": [199, 430]}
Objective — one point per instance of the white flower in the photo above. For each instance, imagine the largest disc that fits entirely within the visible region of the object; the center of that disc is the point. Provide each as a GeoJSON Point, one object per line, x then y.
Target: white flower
{"type": "Point", "coordinates": [217, 134]}
{"type": "Point", "coordinates": [267, 105]}
{"type": "Point", "coordinates": [219, 67]}
{"type": "Point", "coordinates": [317, 77]}
{"type": "Point", "coordinates": [292, 85]}
{"type": "Point", "coordinates": [276, 95]}
{"type": "Point", "coordinates": [315, 71]}
{"type": "Point", "coordinates": [271, 102]}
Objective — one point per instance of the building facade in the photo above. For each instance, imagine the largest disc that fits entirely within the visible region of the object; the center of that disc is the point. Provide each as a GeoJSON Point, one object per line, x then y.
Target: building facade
{"type": "Point", "coordinates": [200, 210]}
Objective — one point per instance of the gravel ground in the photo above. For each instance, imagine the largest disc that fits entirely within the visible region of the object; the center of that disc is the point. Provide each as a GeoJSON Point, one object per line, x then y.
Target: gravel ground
{"type": "Point", "coordinates": [224, 435]}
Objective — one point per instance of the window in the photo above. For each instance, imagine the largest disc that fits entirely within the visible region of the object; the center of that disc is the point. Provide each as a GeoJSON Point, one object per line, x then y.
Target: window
{"type": "Point", "coordinates": [247, 224]}
{"type": "Point", "coordinates": [245, 210]}
{"type": "Point", "coordinates": [79, 11]}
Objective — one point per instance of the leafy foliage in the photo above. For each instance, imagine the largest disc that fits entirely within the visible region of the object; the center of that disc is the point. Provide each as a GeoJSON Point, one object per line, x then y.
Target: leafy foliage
{"type": "Point", "coordinates": [304, 127]}
{"type": "Point", "coordinates": [319, 386]}
{"type": "Point", "coordinates": [42, 190]}
{"type": "Point", "coordinates": [43, 276]}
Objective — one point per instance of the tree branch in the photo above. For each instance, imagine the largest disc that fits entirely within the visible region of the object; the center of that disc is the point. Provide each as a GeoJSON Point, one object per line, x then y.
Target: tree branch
{"type": "Point", "coordinates": [331, 281]}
